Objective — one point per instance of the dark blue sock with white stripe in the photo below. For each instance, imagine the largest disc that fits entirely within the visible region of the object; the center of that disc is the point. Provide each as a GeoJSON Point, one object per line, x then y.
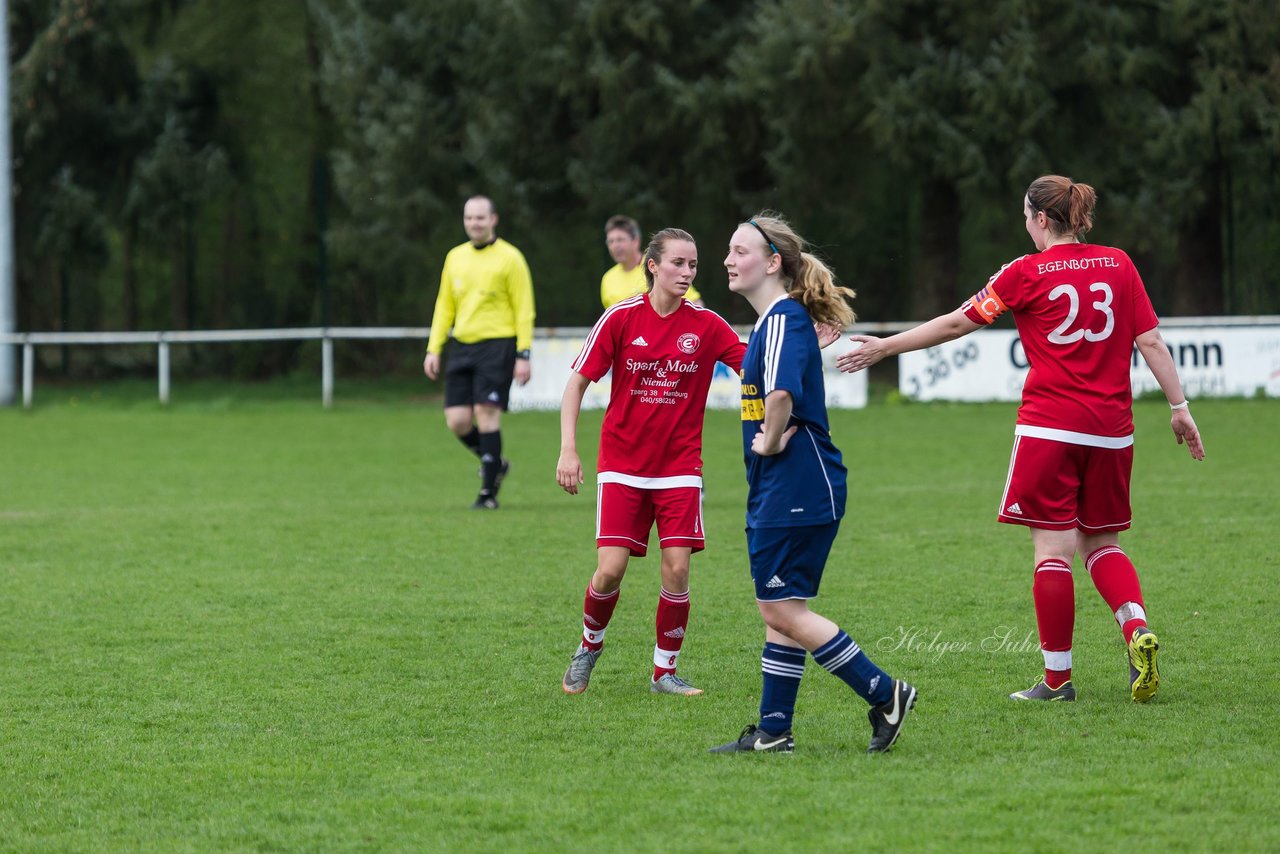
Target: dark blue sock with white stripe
{"type": "Point", "coordinates": [845, 659]}
{"type": "Point", "coordinates": [782, 667]}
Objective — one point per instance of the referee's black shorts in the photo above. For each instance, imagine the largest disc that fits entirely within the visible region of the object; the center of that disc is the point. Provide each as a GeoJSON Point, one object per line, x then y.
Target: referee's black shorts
{"type": "Point", "coordinates": [479, 373]}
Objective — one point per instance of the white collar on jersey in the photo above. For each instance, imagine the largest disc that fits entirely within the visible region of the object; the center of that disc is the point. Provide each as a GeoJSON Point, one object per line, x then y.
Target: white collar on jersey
{"type": "Point", "coordinates": [765, 313]}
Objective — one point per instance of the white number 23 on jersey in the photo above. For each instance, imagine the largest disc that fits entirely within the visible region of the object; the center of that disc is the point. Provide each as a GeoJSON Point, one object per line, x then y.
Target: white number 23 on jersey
{"type": "Point", "coordinates": [1061, 335]}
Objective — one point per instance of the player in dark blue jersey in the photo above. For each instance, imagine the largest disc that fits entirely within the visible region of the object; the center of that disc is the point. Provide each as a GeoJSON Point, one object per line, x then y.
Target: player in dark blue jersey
{"type": "Point", "coordinates": [796, 483]}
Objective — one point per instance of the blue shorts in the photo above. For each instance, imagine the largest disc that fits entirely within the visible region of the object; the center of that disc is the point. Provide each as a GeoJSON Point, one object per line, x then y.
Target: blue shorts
{"type": "Point", "coordinates": [787, 563]}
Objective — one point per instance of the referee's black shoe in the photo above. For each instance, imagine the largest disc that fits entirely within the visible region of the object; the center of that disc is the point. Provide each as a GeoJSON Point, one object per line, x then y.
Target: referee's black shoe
{"type": "Point", "coordinates": [887, 719]}
{"type": "Point", "coordinates": [485, 501]}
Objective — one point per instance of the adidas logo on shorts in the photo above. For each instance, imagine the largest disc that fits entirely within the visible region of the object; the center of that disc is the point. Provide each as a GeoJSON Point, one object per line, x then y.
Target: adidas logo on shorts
{"type": "Point", "coordinates": [775, 582]}
{"type": "Point", "coordinates": [1014, 508]}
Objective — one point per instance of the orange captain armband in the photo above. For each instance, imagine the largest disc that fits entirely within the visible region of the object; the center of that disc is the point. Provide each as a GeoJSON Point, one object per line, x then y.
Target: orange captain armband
{"type": "Point", "coordinates": [985, 306]}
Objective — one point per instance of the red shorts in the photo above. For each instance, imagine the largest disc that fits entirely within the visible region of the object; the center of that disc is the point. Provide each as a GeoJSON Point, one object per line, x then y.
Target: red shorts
{"type": "Point", "coordinates": [1060, 486]}
{"type": "Point", "coordinates": [624, 515]}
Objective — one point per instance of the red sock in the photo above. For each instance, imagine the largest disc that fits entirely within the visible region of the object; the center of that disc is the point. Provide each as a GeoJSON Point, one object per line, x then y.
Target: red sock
{"type": "Point", "coordinates": [597, 609]}
{"type": "Point", "coordinates": [1116, 579]}
{"type": "Point", "coordinates": [1055, 598]}
{"type": "Point", "coordinates": [673, 617]}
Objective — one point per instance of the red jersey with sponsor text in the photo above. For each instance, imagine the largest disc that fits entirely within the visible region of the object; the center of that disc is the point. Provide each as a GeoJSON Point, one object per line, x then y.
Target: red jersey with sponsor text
{"type": "Point", "coordinates": [1078, 308]}
{"type": "Point", "coordinates": [662, 371]}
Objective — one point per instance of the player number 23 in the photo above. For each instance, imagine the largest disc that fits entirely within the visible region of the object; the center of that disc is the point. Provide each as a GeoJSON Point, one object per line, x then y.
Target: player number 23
{"type": "Point", "coordinates": [1061, 335]}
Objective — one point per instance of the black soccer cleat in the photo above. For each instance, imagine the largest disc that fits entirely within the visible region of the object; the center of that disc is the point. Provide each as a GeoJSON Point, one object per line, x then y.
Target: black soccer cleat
{"type": "Point", "coordinates": [887, 719]}
{"type": "Point", "coordinates": [485, 502]}
{"type": "Point", "coordinates": [756, 740]}
{"type": "Point", "coordinates": [1065, 693]}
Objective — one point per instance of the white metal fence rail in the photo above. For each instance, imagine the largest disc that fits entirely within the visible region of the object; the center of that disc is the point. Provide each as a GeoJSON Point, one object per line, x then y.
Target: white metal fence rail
{"type": "Point", "coordinates": [28, 341]}
{"type": "Point", "coordinates": [164, 340]}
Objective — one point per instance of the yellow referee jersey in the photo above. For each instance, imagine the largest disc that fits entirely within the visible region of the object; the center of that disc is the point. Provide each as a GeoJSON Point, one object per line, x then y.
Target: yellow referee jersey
{"type": "Point", "coordinates": [617, 284]}
{"type": "Point", "coordinates": [484, 293]}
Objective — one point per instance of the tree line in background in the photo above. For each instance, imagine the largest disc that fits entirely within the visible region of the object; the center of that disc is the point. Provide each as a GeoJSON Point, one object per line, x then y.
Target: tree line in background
{"type": "Point", "coordinates": [182, 164]}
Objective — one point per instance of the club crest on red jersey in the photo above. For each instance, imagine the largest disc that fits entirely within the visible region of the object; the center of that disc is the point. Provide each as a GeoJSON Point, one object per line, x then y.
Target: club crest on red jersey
{"type": "Point", "coordinates": [688, 343]}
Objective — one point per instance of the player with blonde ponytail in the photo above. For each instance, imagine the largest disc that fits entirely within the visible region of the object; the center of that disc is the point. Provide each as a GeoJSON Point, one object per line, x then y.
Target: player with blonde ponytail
{"type": "Point", "coordinates": [796, 480]}
{"type": "Point", "coordinates": [810, 282]}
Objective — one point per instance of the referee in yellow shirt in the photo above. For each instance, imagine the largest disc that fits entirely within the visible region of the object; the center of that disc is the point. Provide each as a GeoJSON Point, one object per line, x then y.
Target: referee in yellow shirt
{"type": "Point", "coordinates": [626, 277]}
{"type": "Point", "coordinates": [486, 301]}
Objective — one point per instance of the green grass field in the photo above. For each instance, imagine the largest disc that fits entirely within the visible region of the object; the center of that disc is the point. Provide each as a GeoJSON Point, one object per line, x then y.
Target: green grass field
{"type": "Point", "coordinates": [245, 624]}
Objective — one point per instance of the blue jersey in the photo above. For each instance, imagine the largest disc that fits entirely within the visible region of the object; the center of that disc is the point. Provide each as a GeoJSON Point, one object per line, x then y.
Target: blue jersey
{"type": "Point", "coordinates": [805, 484]}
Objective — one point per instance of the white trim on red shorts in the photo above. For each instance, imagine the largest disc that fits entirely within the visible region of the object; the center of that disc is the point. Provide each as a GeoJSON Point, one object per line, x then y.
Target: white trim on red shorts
{"type": "Point", "coordinates": [1008, 479]}
{"type": "Point", "coordinates": [1071, 437]}
{"type": "Point", "coordinates": [1114, 527]}
{"type": "Point", "coordinates": [639, 482]}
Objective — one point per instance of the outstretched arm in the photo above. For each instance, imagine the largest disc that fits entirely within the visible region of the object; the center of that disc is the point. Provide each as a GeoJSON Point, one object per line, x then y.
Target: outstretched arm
{"type": "Point", "coordinates": [946, 327]}
{"type": "Point", "coordinates": [569, 466]}
{"type": "Point", "coordinates": [1152, 347]}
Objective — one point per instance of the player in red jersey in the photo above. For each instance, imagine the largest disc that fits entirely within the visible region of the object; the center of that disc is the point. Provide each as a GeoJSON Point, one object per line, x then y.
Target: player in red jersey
{"type": "Point", "coordinates": [1079, 309]}
{"type": "Point", "coordinates": [662, 350]}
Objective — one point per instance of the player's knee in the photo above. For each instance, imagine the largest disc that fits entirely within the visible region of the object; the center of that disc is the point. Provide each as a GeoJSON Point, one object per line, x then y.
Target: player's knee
{"type": "Point", "coordinates": [458, 420]}
{"type": "Point", "coordinates": [778, 620]}
{"type": "Point", "coordinates": [488, 418]}
{"type": "Point", "coordinates": [675, 577]}
{"type": "Point", "coordinates": [1090, 543]}
{"type": "Point", "coordinates": [608, 578]}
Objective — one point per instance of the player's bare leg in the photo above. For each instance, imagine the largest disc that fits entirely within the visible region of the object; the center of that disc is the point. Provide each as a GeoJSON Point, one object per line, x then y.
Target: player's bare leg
{"type": "Point", "coordinates": [598, 604]}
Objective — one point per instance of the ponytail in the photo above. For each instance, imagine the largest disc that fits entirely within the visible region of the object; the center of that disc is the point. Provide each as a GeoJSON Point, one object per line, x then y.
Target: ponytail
{"type": "Point", "coordinates": [1080, 201]}
{"type": "Point", "coordinates": [810, 281]}
{"type": "Point", "coordinates": [815, 287]}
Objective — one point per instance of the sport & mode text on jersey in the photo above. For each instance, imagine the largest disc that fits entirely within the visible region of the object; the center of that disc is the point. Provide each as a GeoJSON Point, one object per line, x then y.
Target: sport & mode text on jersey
{"type": "Point", "coordinates": [662, 371]}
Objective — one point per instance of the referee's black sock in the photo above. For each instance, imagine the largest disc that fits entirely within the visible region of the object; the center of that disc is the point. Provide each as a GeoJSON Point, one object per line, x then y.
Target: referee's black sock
{"type": "Point", "coordinates": [491, 459]}
{"type": "Point", "coordinates": [472, 440]}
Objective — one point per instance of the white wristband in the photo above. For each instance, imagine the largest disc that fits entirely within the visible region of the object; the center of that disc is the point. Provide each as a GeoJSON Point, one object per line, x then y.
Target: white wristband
{"type": "Point", "coordinates": [1182, 405]}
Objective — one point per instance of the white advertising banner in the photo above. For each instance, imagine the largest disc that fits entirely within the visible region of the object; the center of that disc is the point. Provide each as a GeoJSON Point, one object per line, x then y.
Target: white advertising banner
{"type": "Point", "coordinates": [552, 357]}
{"type": "Point", "coordinates": [991, 365]}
